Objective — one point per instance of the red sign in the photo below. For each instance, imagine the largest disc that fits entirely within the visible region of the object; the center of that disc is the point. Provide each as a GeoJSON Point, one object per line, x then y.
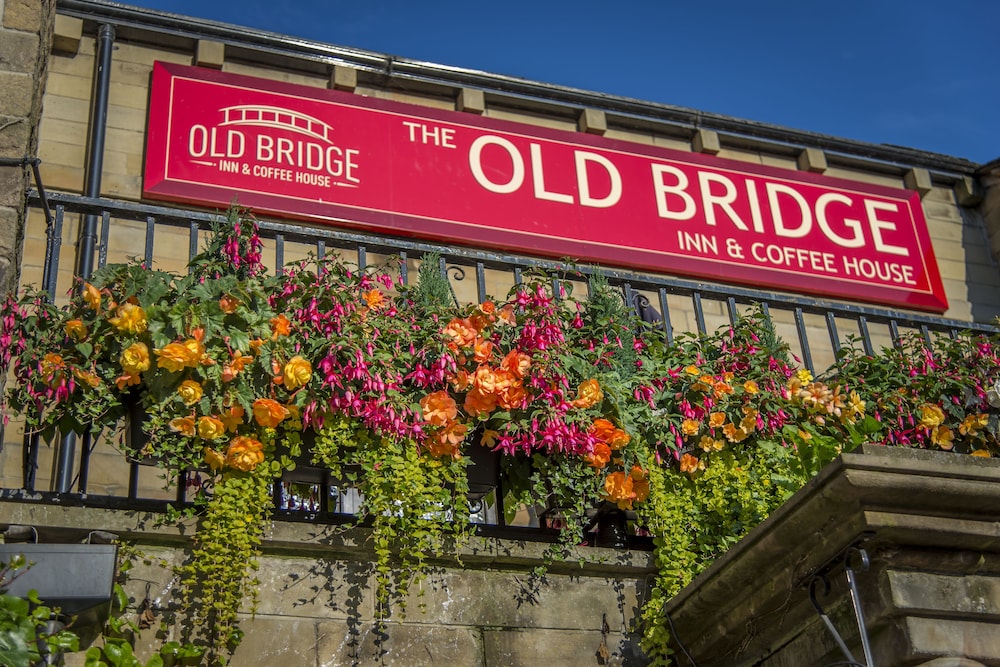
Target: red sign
{"type": "Point", "coordinates": [346, 159]}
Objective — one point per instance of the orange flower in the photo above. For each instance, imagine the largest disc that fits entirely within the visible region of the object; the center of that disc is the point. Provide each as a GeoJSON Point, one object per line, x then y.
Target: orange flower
{"type": "Point", "coordinates": [280, 326]}
{"type": "Point", "coordinates": [214, 459]}
{"type": "Point", "coordinates": [972, 424]}
{"type": "Point", "coordinates": [981, 453]}
{"type": "Point", "coordinates": [734, 433]}
{"type": "Point", "coordinates": [476, 402]}
{"type": "Point", "coordinates": [237, 362]}
{"type": "Point", "coordinates": [692, 370]}
{"type": "Point", "coordinates": [600, 456]}
{"type": "Point", "coordinates": [374, 298]}
{"type": "Point", "coordinates": [487, 380]}
{"type": "Point", "coordinates": [507, 316]}
{"type": "Point", "coordinates": [640, 483]}
{"type": "Point", "coordinates": [438, 408]}
{"type": "Point", "coordinates": [76, 329]}
{"type": "Point", "coordinates": [512, 396]}
{"type": "Point", "coordinates": [268, 412]}
{"type": "Point", "coordinates": [931, 415]}
{"type": "Point", "coordinates": [232, 418]}
{"type": "Point", "coordinates": [691, 464]}
{"type": "Point", "coordinates": [298, 372]}
{"type": "Point", "coordinates": [717, 419]}
{"type": "Point", "coordinates": [228, 304]}
{"type": "Point", "coordinates": [690, 426]}
{"type": "Point", "coordinates": [588, 394]}
{"type": "Point", "coordinates": [602, 429]}
{"type": "Point", "coordinates": [190, 392]}
{"type": "Point", "coordinates": [446, 441]}
{"type": "Point", "coordinates": [460, 333]}
{"type": "Point", "coordinates": [126, 380]}
{"type": "Point", "coordinates": [483, 350]}
{"type": "Point", "coordinates": [943, 437]}
{"type": "Point", "coordinates": [92, 296]}
{"type": "Point", "coordinates": [87, 377]}
{"type": "Point", "coordinates": [130, 318]}
{"type": "Point", "coordinates": [135, 359]}
{"type": "Point", "coordinates": [244, 453]}
{"type": "Point", "coordinates": [710, 444]}
{"type": "Point", "coordinates": [516, 363]}
{"type": "Point", "coordinates": [210, 428]}
{"type": "Point", "coordinates": [750, 387]}
{"type": "Point", "coordinates": [619, 439]}
{"type": "Point", "coordinates": [460, 381]}
{"type": "Point", "coordinates": [183, 425]}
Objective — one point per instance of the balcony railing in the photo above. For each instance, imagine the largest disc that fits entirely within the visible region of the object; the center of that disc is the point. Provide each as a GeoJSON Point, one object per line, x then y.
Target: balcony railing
{"type": "Point", "coordinates": [168, 237]}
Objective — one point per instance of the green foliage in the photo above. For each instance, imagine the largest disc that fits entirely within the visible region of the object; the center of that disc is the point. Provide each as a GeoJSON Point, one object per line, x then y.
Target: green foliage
{"type": "Point", "coordinates": [23, 636]}
{"type": "Point", "coordinates": [433, 291]}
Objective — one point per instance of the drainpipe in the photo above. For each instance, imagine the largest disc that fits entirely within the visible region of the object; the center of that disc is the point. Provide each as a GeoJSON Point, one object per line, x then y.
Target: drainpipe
{"type": "Point", "coordinates": [87, 241]}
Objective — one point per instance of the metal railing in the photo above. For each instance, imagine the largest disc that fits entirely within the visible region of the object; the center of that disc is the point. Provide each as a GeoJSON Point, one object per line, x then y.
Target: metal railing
{"type": "Point", "coordinates": [820, 328]}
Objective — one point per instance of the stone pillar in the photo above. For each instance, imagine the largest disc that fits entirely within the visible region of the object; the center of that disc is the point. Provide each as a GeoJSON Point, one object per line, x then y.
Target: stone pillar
{"type": "Point", "coordinates": [25, 42]}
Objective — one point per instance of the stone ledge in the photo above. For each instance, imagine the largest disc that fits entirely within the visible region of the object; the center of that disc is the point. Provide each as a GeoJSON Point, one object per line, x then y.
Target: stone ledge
{"type": "Point", "coordinates": [911, 507]}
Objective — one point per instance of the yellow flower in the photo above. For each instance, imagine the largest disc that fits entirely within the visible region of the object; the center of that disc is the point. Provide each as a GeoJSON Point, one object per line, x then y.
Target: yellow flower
{"type": "Point", "coordinates": [130, 318]}
{"type": "Point", "coordinates": [710, 444]}
{"type": "Point", "coordinates": [981, 453]}
{"type": "Point", "coordinates": [692, 370]}
{"type": "Point", "coordinates": [268, 412]}
{"type": "Point", "coordinates": [232, 418]}
{"type": "Point", "coordinates": [175, 357]}
{"type": "Point", "coordinates": [298, 372]}
{"type": "Point", "coordinates": [76, 329]}
{"type": "Point", "coordinates": [972, 424]}
{"type": "Point", "coordinates": [750, 387]}
{"type": "Point", "coordinates": [931, 415]}
{"type": "Point", "coordinates": [244, 453]}
{"type": "Point", "coordinates": [943, 437]}
{"type": "Point", "coordinates": [804, 376]}
{"type": "Point", "coordinates": [214, 459]}
{"type": "Point", "coordinates": [92, 296]}
{"type": "Point", "coordinates": [135, 359]}
{"type": "Point", "coordinates": [210, 428]}
{"type": "Point", "coordinates": [588, 394]}
{"type": "Point", "coordinates": [190, 392]}
{"type": "Point", "coordinates": [717, 419]}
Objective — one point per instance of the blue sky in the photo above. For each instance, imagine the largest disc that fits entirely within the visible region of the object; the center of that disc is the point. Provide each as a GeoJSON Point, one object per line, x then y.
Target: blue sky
{"type": "Point", "coordinates": [912, 73]}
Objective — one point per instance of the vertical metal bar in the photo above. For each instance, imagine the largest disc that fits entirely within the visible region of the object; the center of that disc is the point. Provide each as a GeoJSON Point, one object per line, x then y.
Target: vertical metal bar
{"type": "Point", "coordinates": [481, 282]}
{"type": "Point", "coordinates": [858, 611]}
{"type": "Point", "coordinates": [362, 257]}
{"type": "Point", "coordinates": [192, 239]}
{"type": "Point", "coordinates": [765, 308]}
{"type": "Point", "coordinates": [320, 248]}
{"type": "Point", "coordinates": [182, 478]}
{"type": "Point", "coordinates": [831, 326]}
{"type": "Point", "coordinates": [147, 255]}
{"type": "Point", "coordinates": [86, 447]}
{"type": "Point", "coordinates": [518, 277]}
{"type": "Point", "coordinates": [894, 332]}
{"type": "Point", "coordinates": [133, 481]}
{"type": "Point", "coordinates": [277, 494]}
{"type": "Point", "coordinates": [866, 338]}
{"type": "Point", "coordinates": [404, 271]}
{"type": "Point", "coordinates": [102, 250]}
{"type": "Point", "coordinates": [279, 254]}
{"type": "Point", "coordinates": [699, 312]}
{"type": "Point", "coordinates": [800, 326]}
{"type": "Point", "coordinates": [629, 295]}
{"type": "Point", "coordinates": [668, 328]}
{"type": "Point", "coordinates": [731, 308]}
{"type": "Point", "coordinates": [53, 245]}
{"type": "Point", "coordinates": [324, 496]}
{"type": "Point", "coordinates": [926, 332]}
{"type": "Point", "coordinates": [62, 481]}
{"type": "Point", "coordinates": [29, 462]}
{"type": "Point", "coordinates": [557, 288]}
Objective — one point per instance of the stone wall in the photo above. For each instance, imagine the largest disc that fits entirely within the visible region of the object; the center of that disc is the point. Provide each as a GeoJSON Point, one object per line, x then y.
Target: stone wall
{"type": "Point", "coordinates": [25, 42]}
{"type": "Point", "coordinates": [316, 602]}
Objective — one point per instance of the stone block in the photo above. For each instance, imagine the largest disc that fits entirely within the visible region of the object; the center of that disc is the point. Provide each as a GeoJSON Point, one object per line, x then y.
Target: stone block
{"type": "Point", "coordinates": [18, 51]}
{"type": "Point", "coordinates": [210, 53]}
{"type": "Point", "coordinates": [23, 14]}
{"type": "Point", "coordinates": [934, 637]}
{"type": "Point", "coordinates": [556, 648]}
{"type": "Point", "coordinates": [706, 141]}
{"type": "Point", "coordinates": [471, 100]}
{"type": "Point", "coordinates": [14, 136]}
{"type": "Point", "coordinates": [812, 159]}
{"type": "Point", "coordinates": [67, 35]}
{"type": "Point", "coordinates": [927, 593]}
{"type": "Point", "coordinates": [318, 588]}
{"type": "Point", "coordinates": [592, 121]}
{"type": "Point", "coordinates": [18, 93]}
{"type": "Point", "coordinates": [918, 179]}
{"type": "Point", "coordinates": [343, 78]}
{"type": "Point", "coordinates": [398, 645]}
{"type": "Point", "coordinates": [12, 181]}
{"type": "Point", "coordinates": [279, 641]}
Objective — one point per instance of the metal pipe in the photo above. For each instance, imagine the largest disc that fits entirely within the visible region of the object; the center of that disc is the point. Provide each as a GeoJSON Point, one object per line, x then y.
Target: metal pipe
{"type": "Point", "coordinates": [87, 242]}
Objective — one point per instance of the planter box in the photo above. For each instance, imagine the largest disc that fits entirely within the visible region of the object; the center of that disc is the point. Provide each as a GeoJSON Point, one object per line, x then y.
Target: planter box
{"type": "Point", "coordinates": [76, 578]}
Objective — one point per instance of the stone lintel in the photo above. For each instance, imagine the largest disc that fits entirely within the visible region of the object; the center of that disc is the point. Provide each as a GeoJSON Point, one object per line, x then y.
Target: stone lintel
{"type": "Point", "coordinates": [343, 78]}
{"type": "Point", "coordinates": [812, 159]}
{"type": "Point", "coordinates": [471, 100]}
{"type": "Point", "coordinates": [918, 179]}
{"type": "Point", "coordinates": [210, 53]}
{"type": "Point", "coordinates": [592, 121]}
